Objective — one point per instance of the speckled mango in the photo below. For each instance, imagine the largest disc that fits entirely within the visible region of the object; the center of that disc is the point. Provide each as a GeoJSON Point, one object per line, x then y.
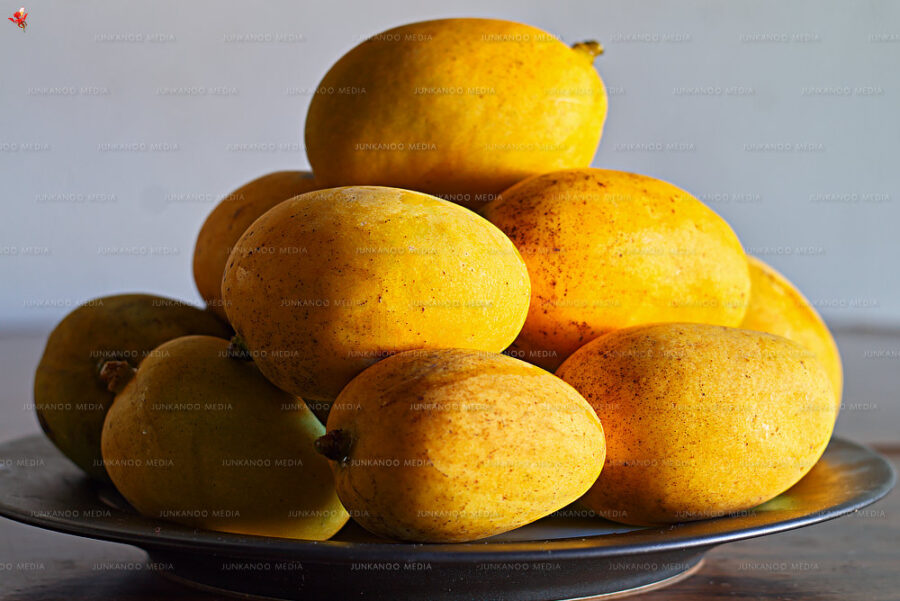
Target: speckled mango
{"type": "Point", "coordinates": [230, 218]}
{"type": "Point", "coordinates": [70, 397]}
{"type": "Point", "coordinates": [201, 438]}
{"type": "Point", "coordinates": [329, 282]}
{"type": "Point", "coordinates": [455, 445]}
{"type": "Point", "coordinates": [459, 108]}
{"type": "Point", "coordinates": [701, 420]}
{"type": "Point", "coordinates": [777, 307]}
{"type": "Point", "coordinates": [610, 249]}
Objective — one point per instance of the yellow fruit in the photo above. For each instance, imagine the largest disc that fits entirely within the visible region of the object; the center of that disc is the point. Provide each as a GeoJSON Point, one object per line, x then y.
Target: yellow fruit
{"type": "Point", "coordinates": [70, 397]}
{"type": "Point", "coordinates": [328, 283]}
{"type": "Point", "coordinates": [231, 217]}
{"type": "Point", "coordinates": [701, 420]}
{"type": "Point", "coordinates": [459, 108]}
{"type": "Point", "coordinates": [608, 250]}
{"type": "Point", "coordinates": [201, 438]}
{"type": "Point", "coordinates": [454, 445]}
{"type": "Point", "coordinates": [777, 307]}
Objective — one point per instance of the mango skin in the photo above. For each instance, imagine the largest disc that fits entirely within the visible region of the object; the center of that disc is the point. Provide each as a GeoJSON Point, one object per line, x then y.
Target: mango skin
{"type": "Point", "coordinates": [777, 307]}
{"type": "Point", "coordinates": [456, 445]}
{"type": "Point", "coordinates": [327, 283]}
{"type": "Point", "coordinates": [230, 218]}
{"type": "Point", "coordinates": [70, 399]}
{"type": "Point", "coordinates": [458, 108]}
{"type": "Point", "coordinates": [608, 250]}
{"type": "Point", "coordinates": [701, 420]}
{"type": "Point", "coordinates": [202, 439]}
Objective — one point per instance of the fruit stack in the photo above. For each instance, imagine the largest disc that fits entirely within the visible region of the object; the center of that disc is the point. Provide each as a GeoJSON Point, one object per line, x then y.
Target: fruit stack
{"type": "Point", "coordinates": [489, 328]}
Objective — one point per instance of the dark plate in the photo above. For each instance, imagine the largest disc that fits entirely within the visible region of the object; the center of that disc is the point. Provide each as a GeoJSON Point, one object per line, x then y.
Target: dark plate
{"type": "Point", "coordinates": [559, 557]}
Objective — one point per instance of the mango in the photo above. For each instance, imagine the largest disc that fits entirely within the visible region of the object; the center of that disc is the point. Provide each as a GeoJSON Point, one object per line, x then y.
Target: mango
{"type": "Point", "coordinates": [777, 307]}
{"type": "Point", "coordinates": [458, 108]}
{"type": "Point", "coordinates": [329, 282]}
{"type": "Point", "coordinates": [230, 218]}
{"type": "Point", "coordinates": [70, 397]}
{"type": "Point", "coordinates": [454, 445]}
{"type": "Point", "coordinates": [701, 420]}
{"type": "Point", "coordinates": [201, 438]}
{"type": "Point", "coordinates": [608, 250]}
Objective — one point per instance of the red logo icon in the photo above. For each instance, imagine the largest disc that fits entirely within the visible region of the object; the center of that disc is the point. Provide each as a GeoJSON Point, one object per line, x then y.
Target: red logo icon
{"type": "Point", "coordinates": [19, 18]}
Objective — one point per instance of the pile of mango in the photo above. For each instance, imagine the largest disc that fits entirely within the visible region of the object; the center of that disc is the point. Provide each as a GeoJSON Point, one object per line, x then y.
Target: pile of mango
{"type": "Point", "coordinates": [489, 328]}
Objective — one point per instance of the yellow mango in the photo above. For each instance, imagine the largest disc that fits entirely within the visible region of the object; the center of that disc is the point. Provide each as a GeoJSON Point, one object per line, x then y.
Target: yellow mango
{"type": "Point", "coordinates": [455, 445]}
{"type": "Point", "coordinates": [329, 282]}
{"type": "Point", "coordinates": [610, 249]}
{"type": "Point", "coordinates": [458, 108]}
{"type": "Point", "coordinates": [701, 420]}
{"type": "Point", "coordinates": [777, 307]}
{"type": "Point", "coordinates": [230, 218]}
{"type": "Point", "coordinates": [201, 438]}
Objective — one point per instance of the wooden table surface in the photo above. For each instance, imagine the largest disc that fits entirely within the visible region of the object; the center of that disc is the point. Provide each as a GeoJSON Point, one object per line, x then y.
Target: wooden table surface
{"type": "Point", "coordinates": [852, 558]}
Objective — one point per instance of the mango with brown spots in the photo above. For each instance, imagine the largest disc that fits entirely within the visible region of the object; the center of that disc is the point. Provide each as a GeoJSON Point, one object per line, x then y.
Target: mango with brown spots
{"type": "Point", "coordinates": [608, 250]}
{"type": "Point", "coordinates": [456, 445]}
{"type": "Point", "coordinates": [701, 420]}
{"type": "Point", "coordinates": [329, 282]}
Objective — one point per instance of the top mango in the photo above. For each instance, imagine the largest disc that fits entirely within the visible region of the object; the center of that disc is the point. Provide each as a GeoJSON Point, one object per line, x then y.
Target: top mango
{"type": "Point", "coordinates": [457, 108]}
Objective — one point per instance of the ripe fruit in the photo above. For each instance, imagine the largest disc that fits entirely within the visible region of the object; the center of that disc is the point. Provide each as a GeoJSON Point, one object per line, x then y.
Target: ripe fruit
{"type": "Point", "coordinates": [458, 108]}
{"type": "Point", "coordinates": [328, 283]}
{"type": "Point", "coordinates": [608, 250]}
{"type": "Point", "coordinates": [701, 420]}
{"type": "Point", "coordinates": [230, 218]}
{"type": "Point", "coordinates": [201, 438]}
{"type": "Point", "coordinates": [777, 307]}
{"type": "Point", "coordinates": [70, 397]}
{"type": "Point", "coordinates": [455, 445]}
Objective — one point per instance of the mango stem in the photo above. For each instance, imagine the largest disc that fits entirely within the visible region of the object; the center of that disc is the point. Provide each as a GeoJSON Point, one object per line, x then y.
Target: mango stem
{"type": "Point", "coordinates": [237, 349]}
{"type": "Point", "coordinates": [116, 374]}
{"type": "Point", "coordinates": [335, 445]}
{"type": "Point", "coordinates": [592, 48]}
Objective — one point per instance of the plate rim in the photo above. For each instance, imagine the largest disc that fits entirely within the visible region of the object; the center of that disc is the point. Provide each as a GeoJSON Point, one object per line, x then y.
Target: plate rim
{"type": "Point", "coordinates": [240, 545]}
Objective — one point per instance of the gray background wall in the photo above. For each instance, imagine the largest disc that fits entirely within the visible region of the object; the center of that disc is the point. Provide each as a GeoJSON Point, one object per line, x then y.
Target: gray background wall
{"type": "Point", "coordinates": [781, 115]}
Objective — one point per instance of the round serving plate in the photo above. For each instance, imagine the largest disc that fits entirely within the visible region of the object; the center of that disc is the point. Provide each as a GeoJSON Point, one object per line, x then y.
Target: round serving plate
{"type": "Point", "coordinates": [569, 555]}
